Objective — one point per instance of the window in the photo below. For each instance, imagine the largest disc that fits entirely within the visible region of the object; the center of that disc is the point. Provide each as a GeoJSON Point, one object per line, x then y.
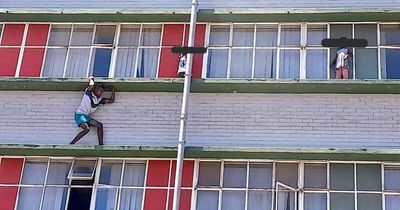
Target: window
{"type": "Point", "coordinates": [79, 50]}
{"type": "Point", "coordinates": [390, 50]}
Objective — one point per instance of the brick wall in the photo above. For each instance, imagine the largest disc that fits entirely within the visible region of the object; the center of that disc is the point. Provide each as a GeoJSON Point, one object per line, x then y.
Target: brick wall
{"type": "Point", "coordinates": [152, 119]}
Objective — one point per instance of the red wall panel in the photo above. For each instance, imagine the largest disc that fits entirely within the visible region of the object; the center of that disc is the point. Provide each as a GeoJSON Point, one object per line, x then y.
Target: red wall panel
{"type": "Point", "coordinates": [8, 196]}
{"type": "Point", "coordinates": [155, 199]}
{"type": "Point", "coordinates": [8, 61]}
{"type": "Point", "coordinates": [158, 173]}
{"type": "Point", "coordinates": [168, 63]}
{"type": "Point", "coordinates": [13, 34]}
{"type": "Point", "coordinates": [187, 174]}
{"type": "Point", "coordinates": [32, 62]}
{"type": "Point", "coordinates": [37, 35]}
{"type": "Point", "coordinates": [184, 203]}
{"type": "Point", "coordinates": [173, 35]}
{"type": "Point", "coordinates": [10, 170]}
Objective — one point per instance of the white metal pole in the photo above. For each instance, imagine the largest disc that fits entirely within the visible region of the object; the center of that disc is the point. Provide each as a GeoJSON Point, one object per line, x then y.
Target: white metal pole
{"type": "Point", "coordinates": [185, 99]}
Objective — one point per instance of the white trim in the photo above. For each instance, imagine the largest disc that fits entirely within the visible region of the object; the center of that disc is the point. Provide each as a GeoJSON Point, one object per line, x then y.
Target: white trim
{"type": "Point", "coordinates": [22, 49]}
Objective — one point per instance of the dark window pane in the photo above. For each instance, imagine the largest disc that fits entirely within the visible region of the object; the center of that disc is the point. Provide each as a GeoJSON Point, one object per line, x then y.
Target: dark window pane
{"type": "Point", "coordinates": [235, 175]}
{"type": "Point", "coordinates": [342, 201]}
{"type": "Point", "coordinates": [369, 177]}
{"type": "Point", "coordinates": [369, 201]}
{"type": "Point", "coordinates": [286, 173]}
{"type": "Point", "coordinates": [260, 175]}
{"type": "Point", "coordinates": [104, 35]}
{"type": "Point", "coordinates": [315, 175]}
{"type": "Point", "coordinates": [79, 198]}
{"type": "Point", "coordinates": [342, 176]}
{"type": "Point", "coordinates": [209, 174]}
{"type": "Point", "coordinates": [392, 178]}
{"type": "Point", "coordinates": [217, 63]}
{"type": "Point", "coordinates": [101, 62]}
{"type": "Point", "coordinates": [390, 63]}
{"type": "Point", "coordinates": [341, 30]}
{"type": "Point", "coordinates": [366, 31]}
{"type": "Point", "coordinates": [392, 202]}
{"type": "Point", "coordinates": [390, 34]}
{"type": "Point", "coordinates": [366, 63]}
{"type": "Point", "coordinates": [83, 168]}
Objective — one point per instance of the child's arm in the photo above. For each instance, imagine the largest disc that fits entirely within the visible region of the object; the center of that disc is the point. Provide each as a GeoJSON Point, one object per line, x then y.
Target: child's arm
{"type": "Point", "coordinates": [91, 83]}
{"type": "Point", "coordinates": [111, 99]}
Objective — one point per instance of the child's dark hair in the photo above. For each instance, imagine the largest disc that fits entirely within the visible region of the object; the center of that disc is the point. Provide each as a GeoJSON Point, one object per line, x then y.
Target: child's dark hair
{"type": "Point", "coordinates": [100, 85]}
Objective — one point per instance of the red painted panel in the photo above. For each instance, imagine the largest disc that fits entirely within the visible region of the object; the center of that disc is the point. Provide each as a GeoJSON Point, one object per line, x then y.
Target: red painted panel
{"type": "Point", "coordinates": [8, 196]}
{"type": "Point", "coordinates": [32, 62]}
{"type": "Point", "coordinates": [158, 173]}
{"type": "Point", "coordinates": [173, 35]}
{"type": "Point", "coordinates": [184, 203]}
{"type": "Point", "coordinates": [199, 41]}
{"type": "Point", "coordinates": [12, 34]}
{"type": "Point", "coordinates": [187, 174]}
{"type": "Point", "coordinates": [10, 170]}
{"type": "Point", "coordinates": [168, 63]}
{"type": "Point", "coordinates": [155, 199]}
{"type": "Point", "coordinates": [37, 35]}
{"type": "Point", "coordinates": [8, 61]}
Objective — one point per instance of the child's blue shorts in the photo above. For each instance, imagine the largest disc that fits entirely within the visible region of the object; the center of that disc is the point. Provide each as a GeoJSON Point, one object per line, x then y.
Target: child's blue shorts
{"type": "Point", "coordinates": [82, 118]}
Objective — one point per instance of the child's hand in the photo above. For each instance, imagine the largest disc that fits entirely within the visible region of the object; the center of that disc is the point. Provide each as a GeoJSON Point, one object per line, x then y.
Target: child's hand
{"type": "Point", "coordinates": [91, 77]}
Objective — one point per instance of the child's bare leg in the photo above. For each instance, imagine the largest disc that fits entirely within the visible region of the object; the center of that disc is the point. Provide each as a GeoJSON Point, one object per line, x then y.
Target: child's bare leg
{"type": "Point", "coordinates": [85, 130]}
{"type": "Point", "coordinates": [99, 127]}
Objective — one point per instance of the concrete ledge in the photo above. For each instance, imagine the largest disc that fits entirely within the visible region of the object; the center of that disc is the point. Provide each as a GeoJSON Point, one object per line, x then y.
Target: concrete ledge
{"type": "Point", "coordinates": [203, 152]}
{"type": "Point", "coordinates": [209, 85]}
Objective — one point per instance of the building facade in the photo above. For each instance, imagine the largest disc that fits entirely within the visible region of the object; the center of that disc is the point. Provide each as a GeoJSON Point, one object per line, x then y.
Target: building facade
{"type": "Point", "coordinates": [269, 127]}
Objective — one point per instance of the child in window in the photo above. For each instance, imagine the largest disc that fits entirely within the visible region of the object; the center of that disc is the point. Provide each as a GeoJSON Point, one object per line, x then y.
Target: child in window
{"type": "Point", "coordinates": [91, 100]}
{"type": "Point", "coordinates": [182, 65]}
{"type": "Point", "coordinates": [341, 62]}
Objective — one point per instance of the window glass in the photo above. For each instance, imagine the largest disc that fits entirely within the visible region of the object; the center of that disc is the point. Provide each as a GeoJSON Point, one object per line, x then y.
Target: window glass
{"type": "Point", "coordinates": [105, 198]}
{"type": "Point", "coordinates": [217, 63]}
{"type": "Point", "coordinates": [101, 62]}
{"type": "Point", "coordinates": [233, 200]}
{"type": "Point", "coordinates": [82, 35]}
{"type": "Point", "coordinates": [267, 35]}
{"type": "Point", "coordinates": [83, 168]}
{"type": "Point", "coordinates": [219, 35]}
{"type": "Point", "coordinates": [54, 62]}
{"type": "Point", "coordinates": [265, 64]}
{"type": "Point", "coordinates": [369, 201]}
{"type": "Point", "coordinates": [390, 34]}
{"type": "Point", "coordinates": [342, 176]}
{"type": "Point", "coordinates": [317, 64]}
{"type": "Point", "coordinates": [59, 35]}
{"type": "Point", "coordinates": [338, 31]}
{"type": "Point", "coordinates": [392, 202]}
{"type": "Point", "coordinates": [58, 172]}
{"type": "Point", "coordinates": [147, 63]}
{"type": "Point", "coordinates": [104, 34]}
{"type": "Point", "coordinates": [341, 201]}
{"type": "Point", "coordinates": [36, 167]}
{"type": "Point", "coordinates": [242, 61]}
{"type": "Point", "coordinates": [290, 35]}
{"type": "Point", "coordinates": [285, 198]}
{"type": "Point", "coordinates": [287, 173]}
{"type": "Point", "coordinates": [315, 175]}
{"type": "Point", "coordinates": [209, 173]}
{"type": "Point", "coordinates": [235, 175]}
{"type": "Point", "coordinates": [151, 35]}
{"type": "Point", "coordinates": [259, 200]}
{"type": "Point", "coordinates": [126, 61]}
{"type": "Point", "coordinates": [134, 173]}
{"type": "Point", "coordinates": [390, 63]}
{"type": "Point", "coordinates": [110, 173]}
{"type": "Point", "coordinates": [243, 36]}
{"type": "Point", "coordinates": [315, 201]}
{"type": "Point", "coordinates": [55, 198]}
{"type": "Point", "coordinates": [392, 178]}
{"type": "Point", "coordinates": [78, 60]}
{"type": "Point", "coordinates": [129, 35]}
{"type": "Point", "coordinates": [29, 198]}
{"type": "Point", "coordinates": [207, 200]}
{"type": "Point", "coordinates": [315, 34]}
{"type": "Point", "coordinates": [366, 31]}
{"type": "Point", "coordinates": [366, 63]}
{"type": "Point", "coordinates": [260, 175]}
{"type": "Point", "coordinates": [369, 177]}
{"type": "Point", "coordinates": [131, 199]}
{"type": "Point", "coordinates": [289, 65]}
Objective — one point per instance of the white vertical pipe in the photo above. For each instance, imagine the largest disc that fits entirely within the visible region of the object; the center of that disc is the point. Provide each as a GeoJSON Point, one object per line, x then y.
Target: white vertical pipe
{"type": "Point", "coordinates": [185, 99]}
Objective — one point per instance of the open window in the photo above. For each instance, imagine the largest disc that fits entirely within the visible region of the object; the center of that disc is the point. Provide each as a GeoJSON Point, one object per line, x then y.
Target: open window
{"type": "Point", "coordinates": [286, 197]}
{"type": "Point", "coordinates": [83, 169]}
